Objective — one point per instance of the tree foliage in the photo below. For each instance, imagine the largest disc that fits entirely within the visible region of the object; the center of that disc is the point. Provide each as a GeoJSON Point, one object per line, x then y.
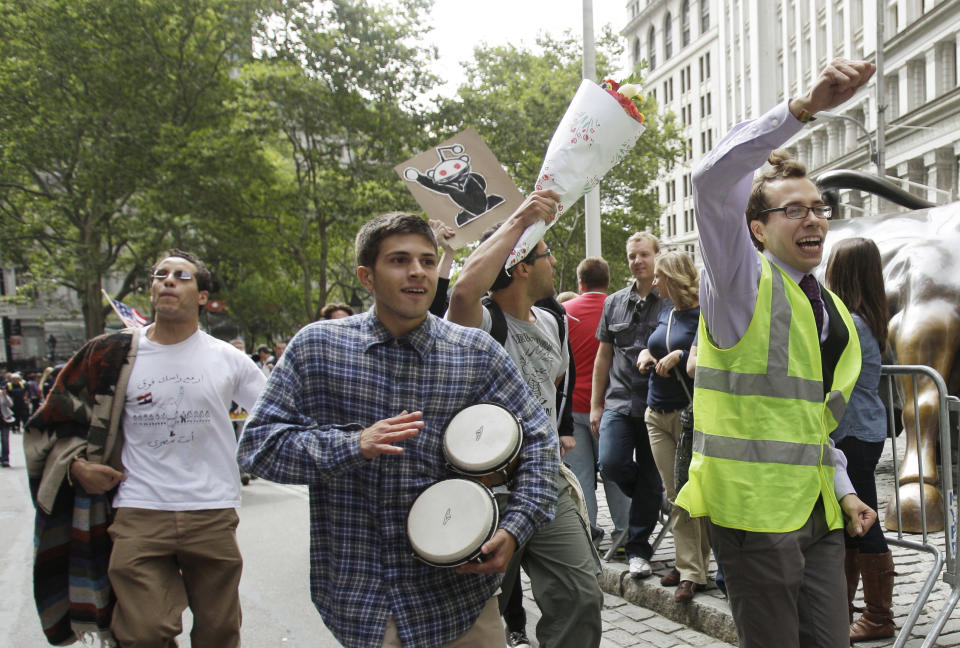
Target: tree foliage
{"type": "Point", "coordinates": [260, 135]}
{"type": "Point", "coordinates": [102, 106]}
{"type": "Point", "coordinates": [515, 97]}
{"type": "Point", "coordinates": [333, 98]}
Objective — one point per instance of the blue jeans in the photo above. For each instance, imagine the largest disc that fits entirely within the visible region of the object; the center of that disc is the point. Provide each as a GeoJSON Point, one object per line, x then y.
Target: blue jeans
{"type": "Point", "coordinates": [626, 459]}
{"type": "Point", "coordinates": [4, 443]}
{"type": "Point", "coordinates": [862, 459]}
{"type": "Point", "coordinates": [583, 461]}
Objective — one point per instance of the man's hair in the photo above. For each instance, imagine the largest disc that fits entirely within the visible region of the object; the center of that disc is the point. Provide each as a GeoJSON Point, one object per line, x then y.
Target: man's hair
{"type": "Point", "coordinates": [782, 167]}
{"type": "Point", "coordinates": [594, 272]}
{"type": "Point", "coordinates": [204, 280]}
{"type": "Point", "coordinates": [855, 273]}
{"type": "Point", "coordinates": [505, 278]}
{"type": "Point", "coordinates": [678, 268]}
{"type": "Point", "coordinates": [367, 243]}
{"type": "Point", "coordinates": [645, 236]}
{"type": "Point", "coordinates": [333, 307]}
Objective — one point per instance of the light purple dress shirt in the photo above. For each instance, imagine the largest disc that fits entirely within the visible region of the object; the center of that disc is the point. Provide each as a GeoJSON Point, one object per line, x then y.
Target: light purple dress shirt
{"type": "Point", "coordinates": [731, 273]}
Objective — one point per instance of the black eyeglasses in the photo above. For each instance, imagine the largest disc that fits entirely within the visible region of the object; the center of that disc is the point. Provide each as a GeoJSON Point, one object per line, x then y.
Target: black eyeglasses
{"type": "Point", "coordinates": [534, 258]}
{"type": "Point", "coordinates": [796, 212]}
{"type": "Point", "coordinates": [180, 275]}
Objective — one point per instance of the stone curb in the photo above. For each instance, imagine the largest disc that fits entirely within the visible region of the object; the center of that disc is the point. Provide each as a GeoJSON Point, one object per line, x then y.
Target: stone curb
{"type": "Point", "coordinates": [705, 613]}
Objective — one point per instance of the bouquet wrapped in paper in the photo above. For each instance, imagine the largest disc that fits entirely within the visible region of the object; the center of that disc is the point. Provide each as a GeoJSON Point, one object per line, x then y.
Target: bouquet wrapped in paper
{"type": "Point", "coordinates": [600, 127]}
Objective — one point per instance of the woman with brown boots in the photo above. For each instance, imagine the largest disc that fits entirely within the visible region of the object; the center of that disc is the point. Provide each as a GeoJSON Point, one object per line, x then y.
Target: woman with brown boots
{"type": "Point", "coordinates": [854, 274]}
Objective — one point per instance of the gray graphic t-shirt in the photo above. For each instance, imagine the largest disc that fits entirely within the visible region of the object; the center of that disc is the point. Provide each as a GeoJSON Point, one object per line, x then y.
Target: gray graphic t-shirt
{"type": "Point", "coordinates": [536, 350]}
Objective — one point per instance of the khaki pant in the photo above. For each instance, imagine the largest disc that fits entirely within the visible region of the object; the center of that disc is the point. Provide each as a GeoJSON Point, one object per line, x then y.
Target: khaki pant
{"type": "Point", "coordinates": [164, 560]}
{"type": "Point", "coordinates": [486, 631]}
{"type": "Point", "coordinates": [690, 535]}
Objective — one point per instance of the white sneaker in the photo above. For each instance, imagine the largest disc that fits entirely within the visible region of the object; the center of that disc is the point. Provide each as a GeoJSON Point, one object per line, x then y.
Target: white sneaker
{"type": "Point", "coordinates": [640, 567]}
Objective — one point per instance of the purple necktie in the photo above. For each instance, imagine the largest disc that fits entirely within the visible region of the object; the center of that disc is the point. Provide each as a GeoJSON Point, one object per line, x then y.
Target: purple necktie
{"type": "Point", "coordinates": [812, 290]}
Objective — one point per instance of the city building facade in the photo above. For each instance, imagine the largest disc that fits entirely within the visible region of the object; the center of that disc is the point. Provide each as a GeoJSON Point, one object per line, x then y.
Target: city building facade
{"type": "Point", "coordinates": [715, 63]}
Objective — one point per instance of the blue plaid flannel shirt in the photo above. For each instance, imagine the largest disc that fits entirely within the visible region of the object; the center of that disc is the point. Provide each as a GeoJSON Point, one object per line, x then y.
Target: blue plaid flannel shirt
{"type": "Point", "coordinates": [338, 377]}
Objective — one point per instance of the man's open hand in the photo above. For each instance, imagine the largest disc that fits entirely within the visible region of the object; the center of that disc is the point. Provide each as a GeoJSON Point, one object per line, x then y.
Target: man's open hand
{"type": "Point", "coordinates": [379, 438]}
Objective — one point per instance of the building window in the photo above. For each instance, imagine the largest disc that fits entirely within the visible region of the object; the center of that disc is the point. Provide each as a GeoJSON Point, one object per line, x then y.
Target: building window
{"type": "Point", "coordinates": [636, 51]}
{"type": "Point", "coordinates": [839, 36]}
{"type": "Point", "coordinates": [704, 15]}
{"type": "Point", "coordinates": [685, 81]}
{"type": "Point", "coordinates": [652, 48]}
{"type": "Point", "coordinates": [667, 36]}
{"type": "Point", "coordinates": [685, 23]}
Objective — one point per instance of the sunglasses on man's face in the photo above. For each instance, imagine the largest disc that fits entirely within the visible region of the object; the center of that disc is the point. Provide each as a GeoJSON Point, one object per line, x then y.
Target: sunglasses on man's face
{"type": "Point", "coordinates": [179, 275]}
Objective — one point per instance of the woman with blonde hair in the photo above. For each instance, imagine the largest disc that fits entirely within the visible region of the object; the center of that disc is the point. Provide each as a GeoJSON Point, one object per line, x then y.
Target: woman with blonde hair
{"type": "Point", "coordinates": [667, 352]}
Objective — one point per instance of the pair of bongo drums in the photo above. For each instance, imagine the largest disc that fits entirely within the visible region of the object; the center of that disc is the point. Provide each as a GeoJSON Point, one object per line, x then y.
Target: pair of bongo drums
{"type": "Point", "coordinates": [450, 520]}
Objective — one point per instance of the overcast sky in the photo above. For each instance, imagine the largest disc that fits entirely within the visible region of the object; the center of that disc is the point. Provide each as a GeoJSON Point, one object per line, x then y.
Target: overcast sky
{"type": "Point", "coordinates": [460, 26]}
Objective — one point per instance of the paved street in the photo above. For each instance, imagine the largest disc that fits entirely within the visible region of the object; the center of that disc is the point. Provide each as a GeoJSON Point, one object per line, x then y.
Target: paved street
{"type": "Point", "coordinates": [711, 613]}
{"type": "Point", "coordinates": [277, 612]}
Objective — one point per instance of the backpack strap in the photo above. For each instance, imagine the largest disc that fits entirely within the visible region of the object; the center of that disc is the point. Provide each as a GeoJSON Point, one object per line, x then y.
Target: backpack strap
{"type": "Point", "coordinates": [498, 327]}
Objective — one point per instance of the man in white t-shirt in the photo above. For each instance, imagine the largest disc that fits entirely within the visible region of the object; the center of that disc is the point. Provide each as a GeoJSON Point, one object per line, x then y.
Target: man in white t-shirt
{"type": "Point", "coordinates": [560, 558]}
{"type": "Point", "coordinates": [174, 533]}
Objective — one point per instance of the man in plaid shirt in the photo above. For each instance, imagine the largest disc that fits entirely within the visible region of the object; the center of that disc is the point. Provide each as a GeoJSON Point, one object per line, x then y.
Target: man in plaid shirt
{"type": "Point", "coordinates": [356, 409]}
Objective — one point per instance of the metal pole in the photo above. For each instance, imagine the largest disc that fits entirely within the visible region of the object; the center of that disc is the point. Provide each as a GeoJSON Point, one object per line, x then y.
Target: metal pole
{"type": "Point", "coordinates": [591, 201]}
{"type": "Point", "coordinates": [881, 99]}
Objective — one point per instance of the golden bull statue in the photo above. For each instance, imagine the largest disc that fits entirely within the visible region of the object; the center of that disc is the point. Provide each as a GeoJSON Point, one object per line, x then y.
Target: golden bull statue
{"type": "Point", "coordinates": [921, 268]}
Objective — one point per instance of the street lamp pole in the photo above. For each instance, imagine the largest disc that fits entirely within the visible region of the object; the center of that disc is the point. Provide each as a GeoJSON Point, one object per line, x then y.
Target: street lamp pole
{"type": "Point", "coordinates": [881, 99]}
{"type": "Point", "coordinates": [591, 201]}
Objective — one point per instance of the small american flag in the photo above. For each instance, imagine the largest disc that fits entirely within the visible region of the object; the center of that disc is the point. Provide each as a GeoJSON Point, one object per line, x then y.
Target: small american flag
{"type": "Point", "coordinates": [130, 317]}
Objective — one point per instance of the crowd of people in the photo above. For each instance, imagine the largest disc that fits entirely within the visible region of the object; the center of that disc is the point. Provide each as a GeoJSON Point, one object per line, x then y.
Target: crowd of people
{"type": "Point", "coordinates": [742, 400]}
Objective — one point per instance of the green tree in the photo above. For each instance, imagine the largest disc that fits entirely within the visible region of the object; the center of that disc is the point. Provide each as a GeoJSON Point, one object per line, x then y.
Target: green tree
{"type": "Point", "coordinates": [334, 99]}
{"type": "Point", "coordinates": [515, 97]}
{"type": "Point", "coordinates": [111, 116]}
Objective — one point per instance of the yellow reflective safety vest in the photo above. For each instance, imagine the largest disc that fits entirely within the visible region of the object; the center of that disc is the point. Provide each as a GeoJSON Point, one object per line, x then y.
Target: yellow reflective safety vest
{"type": "Point", "coordinates": [762, 417]}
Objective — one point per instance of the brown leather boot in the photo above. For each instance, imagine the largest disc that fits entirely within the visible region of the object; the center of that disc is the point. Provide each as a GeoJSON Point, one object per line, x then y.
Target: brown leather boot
{"type": "Point", "coordinates": [852, 573]}
{"type": "Point", "coordinates": [877, 573]}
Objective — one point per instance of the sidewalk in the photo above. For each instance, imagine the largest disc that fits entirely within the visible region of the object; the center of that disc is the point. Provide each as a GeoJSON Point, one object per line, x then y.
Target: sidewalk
{"type": "Point", "coordinates": [709, 612]}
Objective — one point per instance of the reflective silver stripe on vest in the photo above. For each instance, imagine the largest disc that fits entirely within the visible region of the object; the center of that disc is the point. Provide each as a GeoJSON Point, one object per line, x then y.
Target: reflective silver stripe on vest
{"type": "Point", "coordinates": [781, 452]}
{"type": "Point", "coordinates": [775, 382]}
{"type": "Point", "coordinates": [760, 384]}
{"type": "Point", "coordinates": [836, 404]}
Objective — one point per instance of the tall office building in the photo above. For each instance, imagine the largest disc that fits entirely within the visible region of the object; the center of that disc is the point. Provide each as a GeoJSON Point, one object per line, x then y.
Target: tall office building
{"type": "Point", "coordinates": [715, 63]}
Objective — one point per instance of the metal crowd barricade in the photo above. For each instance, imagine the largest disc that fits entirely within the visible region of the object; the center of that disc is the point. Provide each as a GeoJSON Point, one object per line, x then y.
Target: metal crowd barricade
{"type": "Point", "coordinates": [945, 405]}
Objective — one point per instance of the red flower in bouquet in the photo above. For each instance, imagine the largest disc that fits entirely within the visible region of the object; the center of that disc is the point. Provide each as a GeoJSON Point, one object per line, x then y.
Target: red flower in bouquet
{"type": "Point", "coordinates": [624, 94]}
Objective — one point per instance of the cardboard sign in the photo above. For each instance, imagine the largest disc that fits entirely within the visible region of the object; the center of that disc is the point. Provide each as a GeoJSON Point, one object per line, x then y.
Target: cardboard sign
{"type": "Point", "coordinates": [461, 183]}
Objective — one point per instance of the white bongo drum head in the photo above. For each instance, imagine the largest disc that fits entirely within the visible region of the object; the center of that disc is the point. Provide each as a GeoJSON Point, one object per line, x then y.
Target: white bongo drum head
{"type": "Point", "coordinates": [450, 521]}
{"type": "Point", "coordinates": [481, 439]}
